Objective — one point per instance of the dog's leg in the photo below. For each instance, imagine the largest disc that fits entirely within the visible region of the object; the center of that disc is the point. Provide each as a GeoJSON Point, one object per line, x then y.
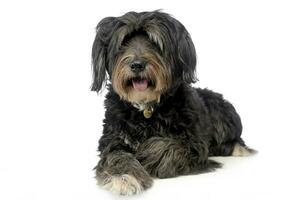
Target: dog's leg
{"type": "Point", "coordinates": [120, 173]}
{"type": "Point", "coordinates": [167, 157]}
{"type": "Point", "coordinates": [240, 149]}
{"type": "Point", "coordinates": [235, 148]}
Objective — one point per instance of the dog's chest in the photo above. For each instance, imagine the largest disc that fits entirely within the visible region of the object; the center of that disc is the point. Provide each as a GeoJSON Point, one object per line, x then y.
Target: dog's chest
{"type": "Point", "coordinates": [162, 123]}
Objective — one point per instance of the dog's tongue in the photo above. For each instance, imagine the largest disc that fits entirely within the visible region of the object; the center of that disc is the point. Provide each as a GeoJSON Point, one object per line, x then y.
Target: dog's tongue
{"type": "Point", "coordinates": [140, 85]}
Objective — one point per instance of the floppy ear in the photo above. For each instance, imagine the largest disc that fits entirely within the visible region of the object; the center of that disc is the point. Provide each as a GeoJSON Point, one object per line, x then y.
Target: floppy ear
{"type": "Point", "coordinates": [181, 46]}
{"type": "Point", "coordinates": [99, 52]}
{"type": "Point", "coordinates": [187, 56]}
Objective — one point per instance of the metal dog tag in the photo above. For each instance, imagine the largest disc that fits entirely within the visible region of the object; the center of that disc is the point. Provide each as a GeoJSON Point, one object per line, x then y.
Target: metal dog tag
{"type": "Point", "coordinates": [148, 112]}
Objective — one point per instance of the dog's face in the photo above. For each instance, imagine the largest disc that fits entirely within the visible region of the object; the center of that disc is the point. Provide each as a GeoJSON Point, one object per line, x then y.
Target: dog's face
{"type": "Point", "coordinates": [143, 55]}
{"type": "Point", "coordinates": [140, 73]}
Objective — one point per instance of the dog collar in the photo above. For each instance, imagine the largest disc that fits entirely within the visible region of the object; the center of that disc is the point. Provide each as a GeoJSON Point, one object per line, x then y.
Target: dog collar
{"type": "Point", "coordinates": [147, 109]}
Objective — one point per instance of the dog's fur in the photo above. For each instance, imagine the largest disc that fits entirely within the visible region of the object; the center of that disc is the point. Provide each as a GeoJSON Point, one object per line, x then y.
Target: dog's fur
{"type": "Point", "coordinates": [186, 125]}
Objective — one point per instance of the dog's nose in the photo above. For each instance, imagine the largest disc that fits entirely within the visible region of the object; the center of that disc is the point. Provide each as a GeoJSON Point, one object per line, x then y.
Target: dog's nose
{"type": "Point", "coordinates": [137, 66]}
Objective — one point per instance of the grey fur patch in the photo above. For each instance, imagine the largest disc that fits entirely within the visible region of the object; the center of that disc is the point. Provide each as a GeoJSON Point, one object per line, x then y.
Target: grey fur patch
{"type": "Point", "coordinates": [163, 157]}
{"type": "Point", "coordinates": [155, 36]}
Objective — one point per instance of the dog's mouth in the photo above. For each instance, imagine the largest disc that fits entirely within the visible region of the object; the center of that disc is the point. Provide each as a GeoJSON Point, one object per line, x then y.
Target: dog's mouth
{"type": "Point", "coordinates": [140, 84]}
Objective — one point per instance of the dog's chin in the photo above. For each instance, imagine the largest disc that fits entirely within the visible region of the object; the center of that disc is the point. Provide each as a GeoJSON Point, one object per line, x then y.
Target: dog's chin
{"type": "Point", "coordinates": [142, 97]}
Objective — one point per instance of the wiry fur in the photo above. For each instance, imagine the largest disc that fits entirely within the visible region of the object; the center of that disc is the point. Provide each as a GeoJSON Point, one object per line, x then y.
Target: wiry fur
{"type": "Point", "coordinates": [187, 124]}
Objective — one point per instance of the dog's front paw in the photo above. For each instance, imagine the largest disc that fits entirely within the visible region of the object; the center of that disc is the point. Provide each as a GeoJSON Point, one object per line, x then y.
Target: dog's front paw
{"type": "Point", "coordinates": [124, 185]}
{"type": "Point", "coordinates": [121, 173]}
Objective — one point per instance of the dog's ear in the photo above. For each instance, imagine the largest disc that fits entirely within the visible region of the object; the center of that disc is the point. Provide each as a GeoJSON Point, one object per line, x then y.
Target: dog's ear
{"type": "Point", "coordinates": [99, 52]}
{"type": "Point", "coordinates": [180, 45]}
{"type": "Point", "coordinates": [186, 55]}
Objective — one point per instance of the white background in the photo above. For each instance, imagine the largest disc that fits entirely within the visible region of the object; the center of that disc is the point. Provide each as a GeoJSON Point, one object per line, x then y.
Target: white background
{"type": "Point", "coordinates": [50, 121]}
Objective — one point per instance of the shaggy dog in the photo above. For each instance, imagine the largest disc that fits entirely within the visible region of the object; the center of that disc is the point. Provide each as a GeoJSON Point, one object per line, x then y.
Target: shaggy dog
{"type": "Point", "coordinates": [156, 124]}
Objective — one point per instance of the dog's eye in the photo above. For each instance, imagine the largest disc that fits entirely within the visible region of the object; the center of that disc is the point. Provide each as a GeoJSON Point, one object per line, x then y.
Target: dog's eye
{"type": "Point", "coordinates": [126, 59]}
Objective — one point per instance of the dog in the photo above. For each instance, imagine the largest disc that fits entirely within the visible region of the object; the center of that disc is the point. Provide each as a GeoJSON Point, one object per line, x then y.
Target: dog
{"type": "Point", "coordinates": [156, 124]}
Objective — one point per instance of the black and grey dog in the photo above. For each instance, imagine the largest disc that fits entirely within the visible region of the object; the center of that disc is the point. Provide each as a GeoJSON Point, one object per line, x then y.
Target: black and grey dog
{"type": "Point", "coordinates": [156, 124]}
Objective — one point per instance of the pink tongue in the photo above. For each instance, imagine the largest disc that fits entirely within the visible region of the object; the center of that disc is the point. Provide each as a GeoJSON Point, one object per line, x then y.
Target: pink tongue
{"type": "Point", "coordinates": [140, 85]}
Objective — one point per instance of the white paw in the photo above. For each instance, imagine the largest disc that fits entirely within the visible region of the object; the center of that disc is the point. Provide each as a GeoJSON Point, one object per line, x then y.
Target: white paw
{"type": "Point", "coordinates": [123, 185]}
{"type": "Point", "coordinates": [239, 150]}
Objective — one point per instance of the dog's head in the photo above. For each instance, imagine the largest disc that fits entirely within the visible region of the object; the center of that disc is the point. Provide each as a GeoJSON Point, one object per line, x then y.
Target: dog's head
{"type": "Point", "coordinates": [143, 54]}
